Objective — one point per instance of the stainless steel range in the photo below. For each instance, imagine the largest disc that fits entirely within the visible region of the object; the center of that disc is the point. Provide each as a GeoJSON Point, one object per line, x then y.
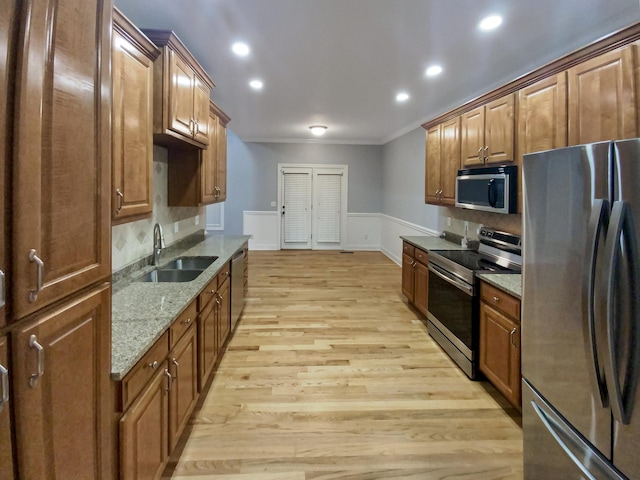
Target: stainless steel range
{"type": "Point", "coordinates": [453, 318]}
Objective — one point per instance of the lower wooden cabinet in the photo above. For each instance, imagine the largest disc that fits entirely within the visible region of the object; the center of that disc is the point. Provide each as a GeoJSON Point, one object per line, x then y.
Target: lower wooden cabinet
{"type": "Point", "coordinates": [500, 342]}
{"type": "Point", "coordinates": [6, 450]}
{"type": "Point", "coordinates": [60, 371]}
{"type": "Point", "coordinates": [224, 313]}
{"type": "Point", "coordinates": [415, 276]}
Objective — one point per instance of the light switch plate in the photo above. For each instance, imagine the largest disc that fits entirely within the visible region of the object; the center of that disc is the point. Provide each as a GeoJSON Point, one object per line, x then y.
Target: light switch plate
{"type": "Point", "coordinates": [273, 204]}
{"type": "Point", "coordinates": [197, 220]}
{"type": "Point", "coordinates": [176, 227]}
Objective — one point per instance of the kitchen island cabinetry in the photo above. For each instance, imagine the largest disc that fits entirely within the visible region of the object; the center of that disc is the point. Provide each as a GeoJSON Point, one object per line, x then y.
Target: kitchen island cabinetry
{"type": "Point", "coordinates": [500, 341]}
{"type": "Point", "coordinates": [442, 162]}
{"type": "Point", "coordinates": [602, 98]}
{"type": "Point", "coordinates": [6, 450]}
{"type": "Point", "coordinates": [488, 133]}
{"type": "Point", "coordinates": [181, 92]}
{"type": "Point", "coordinates": [415, 276]}
{"type": "Point", "coordinates": [133, 57]}
{"type": "Point", "coordinates": [60, 374]}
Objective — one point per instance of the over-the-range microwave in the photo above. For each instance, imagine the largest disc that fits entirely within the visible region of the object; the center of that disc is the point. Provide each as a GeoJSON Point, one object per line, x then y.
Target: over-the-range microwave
{"type": "Point", "coordinates": [491, 189]}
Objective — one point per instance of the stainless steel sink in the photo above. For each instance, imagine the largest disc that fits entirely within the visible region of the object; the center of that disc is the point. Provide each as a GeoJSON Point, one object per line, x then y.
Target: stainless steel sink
{"type": "Point", "coordinates": [169, 275]}
{"type": "Point", "coordinates": [189, 263]}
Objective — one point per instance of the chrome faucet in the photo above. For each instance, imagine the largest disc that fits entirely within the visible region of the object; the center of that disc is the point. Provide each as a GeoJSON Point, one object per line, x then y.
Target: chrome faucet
{"type": "Point", "coordinates": [158, 243]}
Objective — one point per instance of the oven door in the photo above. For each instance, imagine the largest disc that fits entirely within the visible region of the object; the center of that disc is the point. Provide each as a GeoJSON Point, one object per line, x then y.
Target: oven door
{"type": "Point", "coordinates": [453, 310]}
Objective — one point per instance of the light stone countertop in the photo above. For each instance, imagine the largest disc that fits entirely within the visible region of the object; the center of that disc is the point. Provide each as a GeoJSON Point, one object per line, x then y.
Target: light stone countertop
{"type": "Point", "coordinates": [428, 242]}
{"type": "Point", "coordinates": [508, 282]}
{"type": "Point", "coordinates": [141, 312]}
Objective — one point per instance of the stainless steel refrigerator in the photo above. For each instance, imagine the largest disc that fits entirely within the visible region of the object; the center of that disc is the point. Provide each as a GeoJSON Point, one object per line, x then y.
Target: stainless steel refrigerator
{"type": "Point", "coordinates": [581, 312]}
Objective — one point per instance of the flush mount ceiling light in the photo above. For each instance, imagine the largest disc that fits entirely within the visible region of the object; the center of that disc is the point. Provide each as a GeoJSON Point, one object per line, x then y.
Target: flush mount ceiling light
{"type": "Point", "coordinates": [402, 97]}
{"type": "Point", "coordinates": [318, 130]}
{"type": "Point", "coordinates": [433, 70]}
{"type": "Point", "coordinates": [490, 22]}
{"type": "Point", "coordinates": [241, 49]}
{"type": "Point", "coordinates": [256, 84]}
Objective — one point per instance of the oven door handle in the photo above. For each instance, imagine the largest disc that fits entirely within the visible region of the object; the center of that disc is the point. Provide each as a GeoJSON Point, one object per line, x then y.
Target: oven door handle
{"type": "Point", "coordinates": [466, 288]}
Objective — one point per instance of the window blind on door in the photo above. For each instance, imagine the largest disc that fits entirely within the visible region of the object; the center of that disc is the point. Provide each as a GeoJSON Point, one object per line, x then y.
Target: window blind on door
{"type": "Point", "coordinates": [328, 189]}
{"type": "Point", "coordinates": [297, 193]}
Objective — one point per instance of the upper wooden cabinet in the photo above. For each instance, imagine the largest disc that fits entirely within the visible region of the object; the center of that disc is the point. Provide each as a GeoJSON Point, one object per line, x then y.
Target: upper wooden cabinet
{"type": "Point", "coordinates": [133, 56]}
{"type": "Point", "coordinates": [442, 162]}
{"type": "Point", "coordinates": [487, 133]}
{"type": "Point", "coordinates": [181, 94]}
{"type": "Point", "coordinates": [62, 139]}
{"type": "Point", "coordinates": [199, 177]}
{"type": "Point", "coordinates": [602, 98]}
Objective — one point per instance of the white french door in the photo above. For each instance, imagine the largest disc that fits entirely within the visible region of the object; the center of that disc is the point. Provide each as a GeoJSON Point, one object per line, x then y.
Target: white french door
{"type": "Point", "coordinates": [313, 206]}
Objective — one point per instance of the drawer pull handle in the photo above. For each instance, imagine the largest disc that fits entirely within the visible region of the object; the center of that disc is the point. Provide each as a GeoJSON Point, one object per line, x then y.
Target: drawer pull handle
{"type": "Point", "coordinates": [496, 299]}
{"type": "Point", "coordinates": [187, 321]}
{"type": "Point", "coordinates": [153, 365]}
{"type": "Point", "coordinates": [33, 343]}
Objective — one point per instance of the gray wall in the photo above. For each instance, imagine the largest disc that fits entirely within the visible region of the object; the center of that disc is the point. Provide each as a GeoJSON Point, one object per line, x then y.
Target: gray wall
{"type": "Point", "coordinates": [403, 173]}
{"type": "Point", "coordinates": [252, 181]}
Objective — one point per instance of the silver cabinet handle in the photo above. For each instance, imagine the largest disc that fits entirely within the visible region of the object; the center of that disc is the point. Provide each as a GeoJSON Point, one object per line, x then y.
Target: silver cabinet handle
{"type": "Point", "coordinates": [175, 362]}
{"type": "Point", "coordinates": [4, 373]}
{"type": "Point", "coordinates": [33, 258]}
{"type": "Point", "coordinates": [496, 299]}
{"type": "Point", "coordinates": [33, 343]}
{"type": "Point", "coordinates": [512, 336]}
{"type": "Point", "coordinates": [218, 298]}
{"type": "Point", "coordinates": [197, 127]}
{"type": "Point", "coordinates": [187, 321]}
{"type": "Point", "coordinates": [169, 380]}
{"type": "Point", "coordinates": [3, 295]}
{"type": "Point", "coordinates": [120, 200]}
{"type": "Point", "coordinates": [486, 154]}
{"type": "Point", "coordinates": [480, 154]}
{"type": "Point", "coordinates": [153, 365]}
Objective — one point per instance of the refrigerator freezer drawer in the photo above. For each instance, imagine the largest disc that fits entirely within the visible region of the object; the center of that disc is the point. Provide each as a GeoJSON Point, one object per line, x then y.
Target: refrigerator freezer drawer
{"type": "Point", "coordinates": [553, 449]}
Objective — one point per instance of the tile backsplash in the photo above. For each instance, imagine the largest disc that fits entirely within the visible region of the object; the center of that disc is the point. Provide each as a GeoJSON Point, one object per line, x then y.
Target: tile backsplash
{"type": "Point", "coordinates": [134, 240]}
{"type": "Point", "coordinates": [506, 223]}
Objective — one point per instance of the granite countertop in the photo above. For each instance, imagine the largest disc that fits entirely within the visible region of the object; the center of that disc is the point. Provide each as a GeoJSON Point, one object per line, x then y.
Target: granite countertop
{"type": "Point", "coordinates": [432, 243]}
{"type": "Point", "coordinates": [508, 282]}
{"type": "Point", "coordinates": [141, 312]}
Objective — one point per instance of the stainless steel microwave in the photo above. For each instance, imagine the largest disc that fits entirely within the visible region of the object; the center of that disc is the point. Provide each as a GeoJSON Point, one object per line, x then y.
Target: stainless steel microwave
{"type": "Point", "coordinates": [491, 189]}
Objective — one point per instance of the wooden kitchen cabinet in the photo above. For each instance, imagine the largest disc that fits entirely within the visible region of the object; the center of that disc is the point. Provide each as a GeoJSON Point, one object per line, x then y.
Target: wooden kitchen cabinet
{"type": "Point", "coordinates": [61, 382]}
{"type": "Point", "coordinates": [442, 162]}
{"type": "Point", "coordinates": [500, 341]}
{"type": "Point", "coordinates": [6, 448]}
{"type": "Point", "coordinates": [132, 178]}
{"type": "Point", "coordinates": [224, 313]}
{"type": "Point", "coordinates": [181, 92]}
{"type": "Point", "coordinates": [415, 276]}
{"type": "Point", "coordinates": [602, 98]}
{"type": "Point", "coordinates": [199, 177]}
{"type": "Point", "coordinates": [61, 234]}
{"type": "Point", "coordinates": [488, 133]}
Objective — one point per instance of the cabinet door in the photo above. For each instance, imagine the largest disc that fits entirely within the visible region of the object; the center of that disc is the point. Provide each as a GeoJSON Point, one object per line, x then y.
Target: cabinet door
{"type": "Point", "coordinates": [61, 383]}
{"type": "Point", "coordinates": [407, 277]}
{"type": "Point", "coordinates": [421, 287]}
{"type": "Point", "coordinates": [144, 432]}
{"type": "Point", "coordinates": [208, 166]}
{"type": "Point", "coordinates": [201, 98]}
{"type": "Point", "coordinates": [221, 164]}
{"type": "Point", "coordinates": [6, 451]}
{"type": "Point", "coordinates": [8, 22]}
{"type": "Point", "coordinates": [472, 137]}
{"type": "Point", "coordinates": [432, 166]}
{"type": "Point", "coordinates": [499, 130]}
{"type": "Point", "coordinates": [207, 342]}
{"type": "Point", "coordinates": [132, 130]}
{"type": "Point", "coordinates": [602, 95]}
{"type": "Point", "coordinates": [183, 366]}
{"type": "Point", "coordinates": [500, 352]}
{"type": "Point", "coordinates": [181, 92]}
{"type": "Point", "coordinates": [224, 313]}
{"type": "Point", "coordinates": [449, 160]}
{"type": "Point", "coordinates": [63, 140]}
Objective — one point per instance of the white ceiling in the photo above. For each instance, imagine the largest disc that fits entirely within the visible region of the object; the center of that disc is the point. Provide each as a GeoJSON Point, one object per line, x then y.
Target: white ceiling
{"type": "Point", "coordinates": [341, 62]}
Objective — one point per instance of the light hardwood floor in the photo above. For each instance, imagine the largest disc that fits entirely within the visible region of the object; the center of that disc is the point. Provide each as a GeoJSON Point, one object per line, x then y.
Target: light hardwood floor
{"type": "Point", "coordinates": [330, 375]}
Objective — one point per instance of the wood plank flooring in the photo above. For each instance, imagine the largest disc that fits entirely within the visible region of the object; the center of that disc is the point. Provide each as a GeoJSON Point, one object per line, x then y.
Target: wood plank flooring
{"type": "Point", "coordinates": [330, 375]}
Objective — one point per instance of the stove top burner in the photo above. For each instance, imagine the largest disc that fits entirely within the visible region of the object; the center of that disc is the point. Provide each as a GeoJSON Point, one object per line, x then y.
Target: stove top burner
{"type": "Point", "coordinates": [475, 261]}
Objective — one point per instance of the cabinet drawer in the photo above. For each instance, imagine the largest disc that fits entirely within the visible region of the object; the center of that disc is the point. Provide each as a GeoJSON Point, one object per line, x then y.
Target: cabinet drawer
{"type": "Point", "coordinates": [408, 249]}
{"type": "Point", "coordinates": [207, 293]}
{"type": "Point", "coordinates": [144, 370]}
{"type": "Point", "coordinates": [223, 274]}
{"type": "Point", "coordinates": [421, 256]}
{"type": "Point", "coordinates": [180, 325]}
{"type": "Point", "coordinates": [500, 300]}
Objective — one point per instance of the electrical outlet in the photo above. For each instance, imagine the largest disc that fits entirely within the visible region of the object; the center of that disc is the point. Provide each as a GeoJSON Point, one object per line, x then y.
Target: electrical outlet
{"type": "Point", "coordinates": [197, 220]}
{"type": "Point", "coordinates": [176, 227]}
{"type": "Point", "coordinates": [448, 221]}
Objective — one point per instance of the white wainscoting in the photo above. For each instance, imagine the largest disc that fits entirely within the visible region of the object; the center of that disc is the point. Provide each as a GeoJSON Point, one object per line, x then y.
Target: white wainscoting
{"type": "Point", "coordinates": [391, 229]}
{"type": "Point", "coordinates": [365, 231]}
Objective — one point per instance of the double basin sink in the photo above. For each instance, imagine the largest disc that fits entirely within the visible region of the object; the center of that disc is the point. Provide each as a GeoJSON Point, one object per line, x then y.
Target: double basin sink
{"type": "Point", "coordinates": [182, 269]}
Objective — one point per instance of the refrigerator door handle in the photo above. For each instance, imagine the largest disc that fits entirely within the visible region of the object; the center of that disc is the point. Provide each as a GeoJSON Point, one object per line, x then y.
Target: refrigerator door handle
{"type": "Point", "coordinates": [621, 396]}
{"type": "Point", "coordinates": [597, 222]}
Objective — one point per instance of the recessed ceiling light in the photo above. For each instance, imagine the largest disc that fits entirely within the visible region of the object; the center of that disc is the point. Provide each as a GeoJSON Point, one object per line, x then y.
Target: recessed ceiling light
{"type": "Point", "coordinates": [433, 70]}
{"type": "Point", "coordinates": [241, 49]}
{"type": "Point", "coordinates": [256, 84]}
{"type": "Point", "coordinates": [318, 130]}
{"type": "Point", "coordinates": [490, 22]}
{"type": "Point", "coordinates": [402, 97]}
